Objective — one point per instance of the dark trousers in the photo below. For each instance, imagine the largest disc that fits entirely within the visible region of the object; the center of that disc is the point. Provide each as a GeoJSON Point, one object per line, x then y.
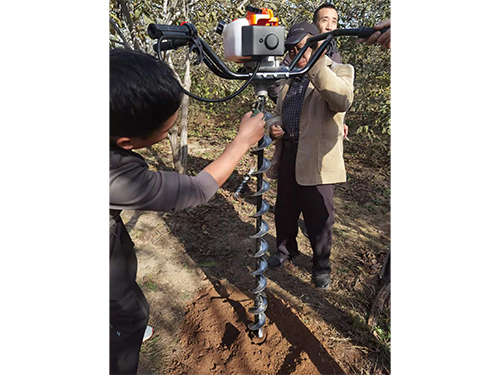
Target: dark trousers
{"type": "Point", "coordinates": [316, 205]}
{"type": "Point", "coordinates": [128, 321]}
{"type": "Point", "coordinates": [128, 308]}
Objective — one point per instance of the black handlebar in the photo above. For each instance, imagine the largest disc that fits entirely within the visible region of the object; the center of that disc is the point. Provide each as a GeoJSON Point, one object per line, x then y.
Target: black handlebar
{"type": "Point", "coordinates": [362, 32]}
{"type": "Point", "coordinates": [186, 34]}
{"type": "Point", "coordinates": [184, 31]}
{"type": "Point", "coordinates": [365, 32]}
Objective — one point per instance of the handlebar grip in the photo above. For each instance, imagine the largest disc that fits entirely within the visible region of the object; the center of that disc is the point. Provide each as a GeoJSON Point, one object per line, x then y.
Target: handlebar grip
{"type": "Point", "coordinates": [171, 44]}
{"type": "Point", "coordinates": [157, 31]}
{"type": "Point", "coordinates": [365, 32]}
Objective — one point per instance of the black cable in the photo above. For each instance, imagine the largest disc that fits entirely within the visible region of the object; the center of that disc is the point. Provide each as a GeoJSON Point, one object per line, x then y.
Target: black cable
{"type": "Point", "coordinates": [159, 48]}
{"type": "Point", "coordinates": [217, 100]}
{"type": "Point", "coordinates": [227, 97]}
{"type": "Point", "coordinates": [214, 68]}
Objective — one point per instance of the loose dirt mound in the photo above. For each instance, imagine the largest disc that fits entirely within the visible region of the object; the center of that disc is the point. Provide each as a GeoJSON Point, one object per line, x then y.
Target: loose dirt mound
{"type": "Point", "coordinates": [215, 339]}
{"type": "Point", "coordinates": [204, 249]}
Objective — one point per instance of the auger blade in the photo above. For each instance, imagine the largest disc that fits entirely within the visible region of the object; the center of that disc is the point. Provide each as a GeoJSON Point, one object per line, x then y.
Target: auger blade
{"type": "Point", "coordinates": [261, 285]}
{"type": "Point", "coordinates": [264, 228]}
{"type": "Point", "coordinates": [262, 267]}
{"type": "Point", "coordinates": [260, 305]}
{"type": "Point", "coordinates": [243, 183]}
{"type": "Point", "coordinates": [263, 209]}
{"type": "Point", "coordinates": [265, 187]}
{"type": "Point", "coordinates": [260, 333]}
{"type": "Point", "coordinates": [266, 142]}
{"type": "Point", "coordinates": [266, 164]}
{"type": "Point", "coordinates": [261, 320]}
{"type": "Point", "coordinates": [263, 247]}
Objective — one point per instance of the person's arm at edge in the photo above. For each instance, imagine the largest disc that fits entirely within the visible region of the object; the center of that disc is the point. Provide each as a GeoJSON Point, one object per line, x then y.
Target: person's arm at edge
{"type": "Point", "coordinates": [377, 37]}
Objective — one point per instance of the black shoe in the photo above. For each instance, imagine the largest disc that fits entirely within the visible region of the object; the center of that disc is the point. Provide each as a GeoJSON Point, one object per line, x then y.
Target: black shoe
{"type": "Point", "coordinates": [276, 261]}
{"type": "Point", "coordinates": [322, 281]}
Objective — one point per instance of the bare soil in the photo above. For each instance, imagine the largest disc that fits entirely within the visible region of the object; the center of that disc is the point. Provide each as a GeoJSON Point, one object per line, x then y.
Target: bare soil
{"type": "Point", "coordinates": [195, 273]}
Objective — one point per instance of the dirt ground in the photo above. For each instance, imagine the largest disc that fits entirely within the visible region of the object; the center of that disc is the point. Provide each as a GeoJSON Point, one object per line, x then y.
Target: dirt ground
{"type": "Point", "coordinates": [195, 273]}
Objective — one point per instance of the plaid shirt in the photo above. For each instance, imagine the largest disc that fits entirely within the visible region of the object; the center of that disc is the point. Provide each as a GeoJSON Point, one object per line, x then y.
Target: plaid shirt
{"type": "Point", "coordinates": [292, 107]}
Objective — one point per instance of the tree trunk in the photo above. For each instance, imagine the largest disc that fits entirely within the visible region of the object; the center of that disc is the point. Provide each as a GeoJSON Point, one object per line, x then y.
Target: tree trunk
{"type": "Point", "coordinates": [383, 295]}
{"type": "Point", "coordinates": [178, 141]}
{"type": "Point", "coordinates": [173, 137]}
{"type": "Point", "coordinates": [183, 146]}
{"type": "Point", "coordinates": [129, 23]}
{"type": "Point", "coordinates": [117, 29]}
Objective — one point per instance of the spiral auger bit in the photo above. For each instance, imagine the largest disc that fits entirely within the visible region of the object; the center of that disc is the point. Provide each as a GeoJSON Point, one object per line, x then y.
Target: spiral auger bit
{"type": "Point", "coordinates": [261, 246]}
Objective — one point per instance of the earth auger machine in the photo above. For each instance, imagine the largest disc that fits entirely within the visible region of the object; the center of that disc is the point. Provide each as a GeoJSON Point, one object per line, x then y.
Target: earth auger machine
{"type": "Point", "coordinates": [255, 42]}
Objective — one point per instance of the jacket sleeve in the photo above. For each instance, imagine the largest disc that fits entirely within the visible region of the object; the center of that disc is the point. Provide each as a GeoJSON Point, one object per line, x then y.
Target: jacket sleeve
{"type": "Point", "coordinates": [336, 88]}
{"type": "Point", "coordinates": [276, 119]}
{"type": "Point", "coordinates": [134, 186]}
{"type": "Point", "coordinates": [272, 92]}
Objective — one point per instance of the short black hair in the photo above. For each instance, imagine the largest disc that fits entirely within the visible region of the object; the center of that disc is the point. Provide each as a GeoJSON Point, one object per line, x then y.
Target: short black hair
{"type": "Point", "coordinates": [143, 93]}
{"type": "Point", "coordinates": [324, 5]}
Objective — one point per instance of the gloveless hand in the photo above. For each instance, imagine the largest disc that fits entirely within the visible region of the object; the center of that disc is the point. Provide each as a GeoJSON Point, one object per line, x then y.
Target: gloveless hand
{"type": "Point", "coordinates": [251, 128]}
{"type": "Point", "coordinates": [276, 131]}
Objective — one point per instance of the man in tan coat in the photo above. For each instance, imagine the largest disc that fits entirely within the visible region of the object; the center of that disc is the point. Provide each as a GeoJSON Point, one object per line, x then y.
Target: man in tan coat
{"type": "Point", "coordinates": [308, 123]}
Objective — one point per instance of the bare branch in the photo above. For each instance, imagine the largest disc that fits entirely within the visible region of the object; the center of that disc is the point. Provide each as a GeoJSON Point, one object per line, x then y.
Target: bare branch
{"type": "Point", "coordinates": [171, 65]}
{"type": "Point", "coordinates": [191, 3]}
{"type": "Point", "coordinates": [129, 23]}
{"type": "Point", "coordinates": [117, 29]}
{"type": "Point", "coordinates": [116, 41]}
{"type": "Point", "coordinates": [174, 17]}
{"type": "Point", "coordinates": [168, 12]}
{"type": "Point", "coordinates": [243, 3]}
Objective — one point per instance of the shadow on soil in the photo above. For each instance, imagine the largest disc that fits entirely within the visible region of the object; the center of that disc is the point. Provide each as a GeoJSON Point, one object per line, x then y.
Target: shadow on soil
{"type": "Point", "coordinates": [215, 234]}
{"type": "Point", "coordinates": [290, 326]}
{"type": "Point", "coordinates": [168, 320]}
